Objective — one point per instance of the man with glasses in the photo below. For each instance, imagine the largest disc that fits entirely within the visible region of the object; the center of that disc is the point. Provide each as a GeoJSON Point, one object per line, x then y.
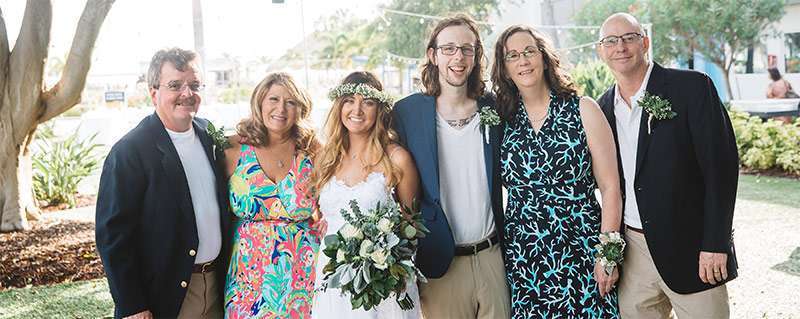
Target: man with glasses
{"type": "Point", "coordinates": [679, 172]}
{"type": "Point", "coordinates": [161, 216]}
{"type": "Point", "coordinates": [456, 151]}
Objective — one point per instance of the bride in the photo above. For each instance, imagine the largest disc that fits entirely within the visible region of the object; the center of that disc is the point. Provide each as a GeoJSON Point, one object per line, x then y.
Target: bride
{"type": "Point", "coordinates": [360, 161]}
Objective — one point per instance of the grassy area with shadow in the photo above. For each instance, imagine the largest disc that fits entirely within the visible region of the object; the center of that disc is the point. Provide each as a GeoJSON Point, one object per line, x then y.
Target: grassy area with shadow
{"type": "Point", "coordinates": [775, 190]}
{"type": "Point", "coordinates": [84, 299]}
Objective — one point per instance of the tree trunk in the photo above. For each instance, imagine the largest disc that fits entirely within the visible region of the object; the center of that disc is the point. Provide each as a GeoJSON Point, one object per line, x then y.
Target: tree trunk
{"type": "Point", "coordinates": [725, 72]}
{"type": "Point", "coordinates": [24, 103]}
{"type": "Point", "coordinates": [16, 198]}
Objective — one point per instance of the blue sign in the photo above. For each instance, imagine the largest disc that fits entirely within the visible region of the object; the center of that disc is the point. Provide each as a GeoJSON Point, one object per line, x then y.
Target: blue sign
{"type": "Point", "coordinates": [114, 96]}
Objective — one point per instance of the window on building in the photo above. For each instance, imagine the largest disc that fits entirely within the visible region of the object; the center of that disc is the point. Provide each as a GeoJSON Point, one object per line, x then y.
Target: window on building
{"type": "Point", "coordinates": [793, 52]}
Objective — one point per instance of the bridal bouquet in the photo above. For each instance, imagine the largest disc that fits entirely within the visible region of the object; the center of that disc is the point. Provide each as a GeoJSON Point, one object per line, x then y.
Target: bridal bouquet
{"type": "Point", "coordinates": [371, 255]}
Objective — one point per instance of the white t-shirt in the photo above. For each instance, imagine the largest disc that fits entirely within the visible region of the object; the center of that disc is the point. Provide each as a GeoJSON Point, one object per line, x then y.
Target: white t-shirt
{"type": "Point", "coordinates": [463, 184]}
{"type": "Point", "coordinates": [202, 187]}
{"type": "Point", "coordinates": [628, 123]}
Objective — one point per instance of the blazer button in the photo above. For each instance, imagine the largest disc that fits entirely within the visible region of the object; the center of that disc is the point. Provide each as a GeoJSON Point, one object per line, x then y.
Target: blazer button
{"type": "Point", "coordinates": [192, 252]}
{"type": "Point", "coordinates": [184, 284]}
{"type": "Point", "coordinates": [638, 188]}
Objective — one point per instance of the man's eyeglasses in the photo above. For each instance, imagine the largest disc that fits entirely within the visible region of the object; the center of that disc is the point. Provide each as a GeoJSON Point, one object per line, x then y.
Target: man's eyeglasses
{"type": "Point", "coordinates": [177, 86]}
{"type": "Point", "coordinates": [449, 49]}
{"type": "Point", "coordinates": [514, 55]}
{"type": "Point", "coordinates": [612, 40]}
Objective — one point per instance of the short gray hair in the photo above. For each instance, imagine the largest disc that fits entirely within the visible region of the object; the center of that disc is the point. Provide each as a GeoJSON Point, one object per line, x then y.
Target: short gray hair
{"type": "Point", "coordinates": [180, 58]}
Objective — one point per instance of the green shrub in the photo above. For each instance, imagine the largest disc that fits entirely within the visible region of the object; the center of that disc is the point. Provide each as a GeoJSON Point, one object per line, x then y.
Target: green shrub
{"type": "Point", "coordinates": [767, 145]}
{"type": "Point", "coordinates": [592, 78]}
{"type": "Point", "coordinates": [59, 166]}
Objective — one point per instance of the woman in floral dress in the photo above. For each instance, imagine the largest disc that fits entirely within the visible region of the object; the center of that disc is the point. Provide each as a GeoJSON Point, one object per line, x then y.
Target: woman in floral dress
{"type": "Point", "coordinates": [271, 273]}
{"type": "Point", "coordinates": [557, 149]}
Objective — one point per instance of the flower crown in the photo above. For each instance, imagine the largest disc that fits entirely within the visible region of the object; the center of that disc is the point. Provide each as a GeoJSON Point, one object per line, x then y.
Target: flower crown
{"type": "Point", "coordinates": [368, 92]}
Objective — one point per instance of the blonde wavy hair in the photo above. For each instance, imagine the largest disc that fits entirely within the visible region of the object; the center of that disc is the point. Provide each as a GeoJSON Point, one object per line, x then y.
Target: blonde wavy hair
{"type": "Point", "coordinates": [252, 129]}
{"type": "Point", "coordinates": [329, 159]}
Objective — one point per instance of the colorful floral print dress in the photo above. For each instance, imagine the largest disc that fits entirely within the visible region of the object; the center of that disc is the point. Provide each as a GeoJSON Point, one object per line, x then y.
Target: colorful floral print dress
{"type": "Point", "coordinates": [272, 269]}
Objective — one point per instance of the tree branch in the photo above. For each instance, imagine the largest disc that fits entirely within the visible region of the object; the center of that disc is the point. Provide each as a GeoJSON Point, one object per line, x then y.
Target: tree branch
{"type": "Point", "coordinates": [67, 92]}
{"type": "Point", "coordinates": [26, 66]}
{"type": "Point", "coordinates": [4, 53]}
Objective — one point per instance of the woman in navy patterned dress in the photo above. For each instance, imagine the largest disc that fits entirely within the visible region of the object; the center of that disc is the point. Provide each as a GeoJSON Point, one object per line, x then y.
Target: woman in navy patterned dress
{"type": "Point", "coordinates": [557, 149]}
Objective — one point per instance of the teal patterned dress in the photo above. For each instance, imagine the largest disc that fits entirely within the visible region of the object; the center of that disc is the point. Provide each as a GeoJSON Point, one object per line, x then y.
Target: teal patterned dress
{"type": "Point", "coordinates": [552, 218]}
{"type": "Point", "coordinates": [272, 268]}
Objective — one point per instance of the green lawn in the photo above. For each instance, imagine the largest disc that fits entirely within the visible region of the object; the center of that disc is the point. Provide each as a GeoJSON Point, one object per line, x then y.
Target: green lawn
{"type": "Point", "coordinates": [90, 299]}
{"type": "Point", "coordinates": [86, 299]}
{"type": "Point", "coordinates": [774, 190]}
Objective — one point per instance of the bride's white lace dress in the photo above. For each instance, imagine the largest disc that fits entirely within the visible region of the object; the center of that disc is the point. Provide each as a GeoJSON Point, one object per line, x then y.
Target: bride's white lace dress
{"type": "Point", "coordinates": [335, 196]}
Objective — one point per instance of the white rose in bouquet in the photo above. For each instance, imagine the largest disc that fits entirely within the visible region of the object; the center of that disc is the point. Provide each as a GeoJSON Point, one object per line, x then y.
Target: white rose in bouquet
{"type": "Point", "coordinates": [340, 257]}
{"type": "Point", "coordinates": [379, 256]}
{"type": "Point", "coordinates": [385, 225]}
{"type": "Point", "coordinates": [349, 231]}
{"type": "Point", "coordinates": [366, 247]}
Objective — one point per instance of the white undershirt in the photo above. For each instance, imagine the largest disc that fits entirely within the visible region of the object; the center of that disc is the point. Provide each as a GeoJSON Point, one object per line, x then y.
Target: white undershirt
{"type": "Point", "coordinates": [628, 123]}
{"type": "Point", "coordinates": [463, 186]}
{"type": "Point", "coordinates": [201, 180]}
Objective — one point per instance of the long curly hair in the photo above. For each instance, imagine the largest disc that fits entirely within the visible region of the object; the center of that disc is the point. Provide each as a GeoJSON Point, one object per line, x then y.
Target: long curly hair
{"type": "Point", "coordinates": [555, 75]}
{"type": "Point", "coordinates": [337, 144]}
{"type": "Point", "coordinates": [430, 72]}
{"type": "Point", "coordinates": [252, 129]}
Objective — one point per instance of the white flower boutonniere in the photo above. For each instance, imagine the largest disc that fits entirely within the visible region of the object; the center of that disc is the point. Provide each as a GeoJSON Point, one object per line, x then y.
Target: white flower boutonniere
{"type": "Point", "coordinates": [656, 107]}
{"type": "Point", "coordinates": [218, 137]}
{"type": "Point", "coordinates": [488, 118]}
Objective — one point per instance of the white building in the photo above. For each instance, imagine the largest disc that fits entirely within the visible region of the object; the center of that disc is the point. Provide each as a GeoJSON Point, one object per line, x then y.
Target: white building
{"type": "Point", "coordinates": [782, 51]}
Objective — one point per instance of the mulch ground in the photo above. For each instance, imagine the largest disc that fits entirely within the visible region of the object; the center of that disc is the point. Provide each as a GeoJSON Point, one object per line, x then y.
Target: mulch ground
{"type": "Point", "coordinates": [80, 201]}
{"type": "Point", "coordinates": [53, 251]}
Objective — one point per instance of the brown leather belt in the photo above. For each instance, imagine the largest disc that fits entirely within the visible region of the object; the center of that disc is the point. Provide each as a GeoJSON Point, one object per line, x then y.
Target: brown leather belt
{"type": "Point", "coordinates": [638, 230]}
{"type": "Point", "coordinates": [204, 268]}
{"type": "Point", "coordinates": [474, 249]}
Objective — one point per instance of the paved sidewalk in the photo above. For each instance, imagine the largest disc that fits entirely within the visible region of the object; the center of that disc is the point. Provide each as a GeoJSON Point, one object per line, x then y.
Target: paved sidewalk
{"type": "Point", "coordinates": [765, 236]}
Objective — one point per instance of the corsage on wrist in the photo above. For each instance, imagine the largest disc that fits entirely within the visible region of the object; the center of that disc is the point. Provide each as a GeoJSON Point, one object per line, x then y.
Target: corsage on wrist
{"type": "Point", "coordinates": [610, 251]}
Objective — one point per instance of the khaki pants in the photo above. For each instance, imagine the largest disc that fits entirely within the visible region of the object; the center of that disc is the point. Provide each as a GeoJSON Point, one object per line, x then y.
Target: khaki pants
{"type": "Point", "coordinates": [473, 287]}
{"type": "Point", "coordinates": [202, 298]}
{"type": "Point", "coordinates": [642, 293]}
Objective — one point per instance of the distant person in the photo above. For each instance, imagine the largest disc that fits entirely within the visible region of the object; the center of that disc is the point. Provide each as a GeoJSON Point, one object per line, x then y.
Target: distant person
{"type": "Point", "coordinates": [780, 89]}
{"type": "Point", "coordinates": [162, 218]}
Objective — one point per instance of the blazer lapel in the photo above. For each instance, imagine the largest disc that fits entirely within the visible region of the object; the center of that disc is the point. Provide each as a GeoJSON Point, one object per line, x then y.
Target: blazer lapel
{"type": "Point", "coordinates": [173, 170]}
{"type": "Point", "coordinates": [607, 106]}
{"type": "Point", "coordinates": [429, 127]}
{"type": "Point", "coordinates": [655, 85]}
{"type": "Point", "coordinates": [208, 145]}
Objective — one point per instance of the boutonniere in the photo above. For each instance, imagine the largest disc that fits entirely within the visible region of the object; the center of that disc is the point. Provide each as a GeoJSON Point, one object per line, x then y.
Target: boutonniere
{"type": "Point", "coordinates": [218, 137]}
{"type": "Point", "coordinates": [656, 108]}
{"type": "Point", "coordinates": [488, 118]}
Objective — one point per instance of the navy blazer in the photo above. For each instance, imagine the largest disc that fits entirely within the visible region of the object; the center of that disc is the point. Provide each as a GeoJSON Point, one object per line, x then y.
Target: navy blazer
{"type": "Point", "coordinates": [145, 220]}
{"type": "Point", "coordinates": [414, 120]}
{"type": "Point", "coordinates": [686, 177]}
